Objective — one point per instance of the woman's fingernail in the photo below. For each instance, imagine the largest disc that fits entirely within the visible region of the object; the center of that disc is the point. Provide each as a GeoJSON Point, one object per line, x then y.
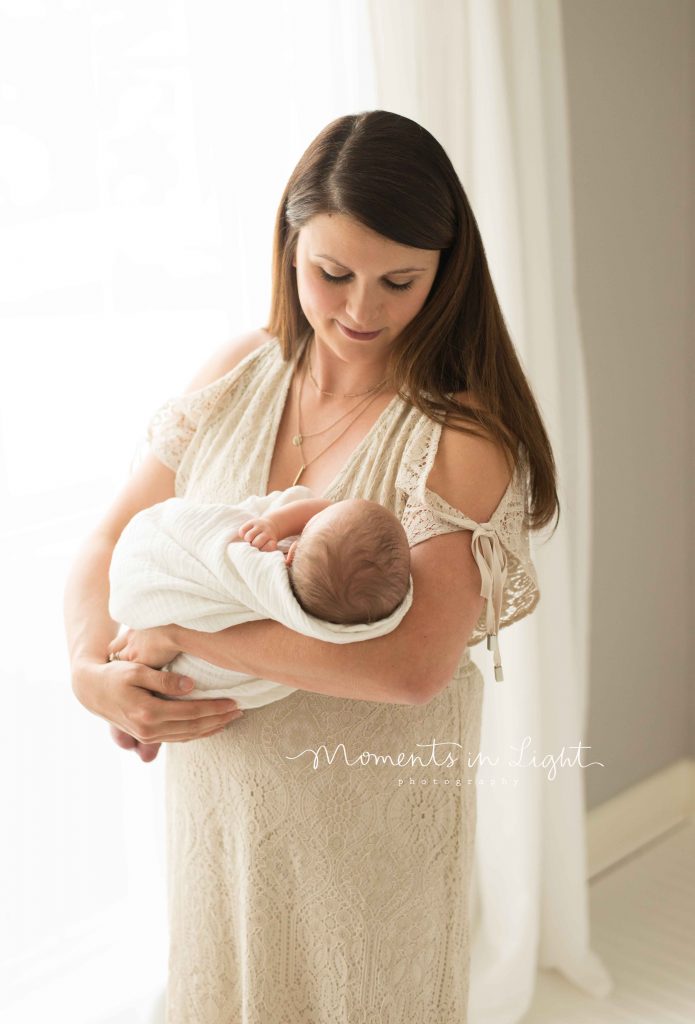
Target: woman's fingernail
{"type": "Point", "coordinates": [186, 684]}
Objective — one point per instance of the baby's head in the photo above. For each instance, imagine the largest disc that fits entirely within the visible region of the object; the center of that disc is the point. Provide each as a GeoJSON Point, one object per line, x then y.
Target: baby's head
{"type": "Point", "coordinates": [351, 563]}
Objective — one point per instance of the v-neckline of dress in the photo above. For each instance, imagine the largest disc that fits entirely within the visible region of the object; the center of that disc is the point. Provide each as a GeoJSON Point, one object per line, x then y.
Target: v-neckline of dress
{"type": "Point", "coordinates": [356, 452]}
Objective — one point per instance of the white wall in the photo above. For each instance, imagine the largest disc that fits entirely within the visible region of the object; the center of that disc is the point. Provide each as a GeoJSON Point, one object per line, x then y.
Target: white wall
{"type": "Point", "coordinates": [631, 99]}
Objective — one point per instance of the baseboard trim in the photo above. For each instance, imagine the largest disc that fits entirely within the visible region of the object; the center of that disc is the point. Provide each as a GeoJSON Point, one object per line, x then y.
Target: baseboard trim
{"type": "Point", "coordinates": [624, 824]}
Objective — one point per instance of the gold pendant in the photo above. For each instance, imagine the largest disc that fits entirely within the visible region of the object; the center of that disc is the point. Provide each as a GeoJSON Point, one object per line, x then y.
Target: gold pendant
{"type": "Point", "coordinates": [297, 440]}
{"type": "Point", "coordinates": [298, 475]}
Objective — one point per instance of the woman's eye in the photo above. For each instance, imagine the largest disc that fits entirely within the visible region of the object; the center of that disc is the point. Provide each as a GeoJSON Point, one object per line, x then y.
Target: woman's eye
{"type": "Point", "coordinates": [345, 277]}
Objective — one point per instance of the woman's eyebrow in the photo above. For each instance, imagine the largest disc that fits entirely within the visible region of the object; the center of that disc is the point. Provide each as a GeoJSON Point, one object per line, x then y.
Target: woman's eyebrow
{"type": "Point", "coordinates": [403, 270]}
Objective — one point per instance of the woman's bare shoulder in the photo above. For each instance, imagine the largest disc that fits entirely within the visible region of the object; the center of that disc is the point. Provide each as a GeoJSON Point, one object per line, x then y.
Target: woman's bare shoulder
{"type": "Point", "coordinates": [228, 356]}
{"type": "Point", "coordinates": [470, 473]}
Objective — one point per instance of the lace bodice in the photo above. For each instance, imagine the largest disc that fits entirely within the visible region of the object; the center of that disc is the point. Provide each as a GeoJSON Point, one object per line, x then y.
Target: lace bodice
{"type": "Point", "coordinates": [394, 461]}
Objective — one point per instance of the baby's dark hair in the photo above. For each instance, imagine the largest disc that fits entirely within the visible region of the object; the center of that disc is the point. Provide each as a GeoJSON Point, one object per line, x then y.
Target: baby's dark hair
{"type": "Point", "coordinates": [352, 569]}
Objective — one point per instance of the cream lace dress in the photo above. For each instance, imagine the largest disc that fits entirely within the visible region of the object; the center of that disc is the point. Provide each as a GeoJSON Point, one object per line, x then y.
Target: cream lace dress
{"type": "Point", "coordinates": [329, 887]}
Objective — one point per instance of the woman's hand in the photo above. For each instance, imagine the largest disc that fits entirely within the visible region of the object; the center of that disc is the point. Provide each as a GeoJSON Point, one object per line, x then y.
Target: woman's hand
{"type": "Point", "coordinates": [142, 702]}
{"type": "Point", "coordinates": [145, 751]}
{"type": "Point", "coordinates": [155, 647]}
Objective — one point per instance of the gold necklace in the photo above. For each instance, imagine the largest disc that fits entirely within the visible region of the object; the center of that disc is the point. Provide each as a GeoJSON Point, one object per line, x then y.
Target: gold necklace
{"type": "Point", "coordinates": [334, 394]}
{"type": "Point", "coordinates": [297, 439]}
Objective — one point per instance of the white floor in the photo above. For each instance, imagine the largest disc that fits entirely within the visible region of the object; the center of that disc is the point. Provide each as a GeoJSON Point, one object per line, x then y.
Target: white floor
{"type": "Point", "coordinates": [643, 928]}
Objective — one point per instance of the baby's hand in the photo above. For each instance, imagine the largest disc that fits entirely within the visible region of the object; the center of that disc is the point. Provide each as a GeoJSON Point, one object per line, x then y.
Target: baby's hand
{"type": "Point", "coordinates": [261, 533]}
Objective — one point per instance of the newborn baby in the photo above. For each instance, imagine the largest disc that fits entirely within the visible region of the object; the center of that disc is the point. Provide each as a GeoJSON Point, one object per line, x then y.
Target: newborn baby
{"type": "Point", "coordinates": [351, 563]}
{"type": "Point", "coordinates": [337, 571]}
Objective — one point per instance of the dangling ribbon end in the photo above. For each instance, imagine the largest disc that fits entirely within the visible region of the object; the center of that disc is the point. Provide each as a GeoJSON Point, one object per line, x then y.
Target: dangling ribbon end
{"type": "Point", "coordinates": [490, 556]}
{"type": "Point", "coordinates": [493, 645]}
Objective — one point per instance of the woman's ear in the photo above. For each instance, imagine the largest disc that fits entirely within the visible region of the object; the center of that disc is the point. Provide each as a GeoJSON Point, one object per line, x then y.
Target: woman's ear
{"type": "Point", "coordinates": [290, 554]}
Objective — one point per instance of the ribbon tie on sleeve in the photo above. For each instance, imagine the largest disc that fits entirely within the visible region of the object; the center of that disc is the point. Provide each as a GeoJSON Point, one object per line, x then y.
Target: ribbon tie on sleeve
{"type": "Point", "coordinates": [492, 562]}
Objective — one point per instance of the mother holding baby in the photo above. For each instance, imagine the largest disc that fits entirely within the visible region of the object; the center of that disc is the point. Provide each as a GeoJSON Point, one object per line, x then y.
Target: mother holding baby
{"type": "Point", "coordinates": [320, 847]}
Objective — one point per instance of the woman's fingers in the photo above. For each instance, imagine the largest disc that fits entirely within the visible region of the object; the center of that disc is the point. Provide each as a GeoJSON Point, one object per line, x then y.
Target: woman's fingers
{"type": "Point", "coordinates": [156, 720]}
{"type": "Point", "coordinates": [144, 705]}
{"type": "Point", "coordinates": [169, 684]}
{"type": "Point", "coordinates": [163, 693]}
{"type": "Point", "coordinates": [172, 732]}
{"type": "Point", "coordinates": [123, 739]}
{"type": "Point", "coordinates": [147, 751]}
{"type": "Point", "coordinates": [189, 710]}
{"type": "Point", "coordinates": [178, 732]}
{"type": "Point", "coordinates": [118, 643]}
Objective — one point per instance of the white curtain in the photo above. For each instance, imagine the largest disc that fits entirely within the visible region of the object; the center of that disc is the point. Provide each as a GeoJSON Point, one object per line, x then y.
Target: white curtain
{"type": "Point", "coordinates": [487, 78]}
{"type": "Point", "coordinates": [145, 147]}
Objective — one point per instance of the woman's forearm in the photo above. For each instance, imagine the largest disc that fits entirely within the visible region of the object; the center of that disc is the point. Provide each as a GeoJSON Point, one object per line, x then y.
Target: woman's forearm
{"type": "Point", "coordinates": [88, 626]}
{"type": "Point", "coordinates": [366, 670]}
{"type": "Point", "coordinates": [409, 665]}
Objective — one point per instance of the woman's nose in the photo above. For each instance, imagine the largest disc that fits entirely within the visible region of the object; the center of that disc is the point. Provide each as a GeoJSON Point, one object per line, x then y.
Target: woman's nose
{"type": "Point", "coordinates": [363, 308]}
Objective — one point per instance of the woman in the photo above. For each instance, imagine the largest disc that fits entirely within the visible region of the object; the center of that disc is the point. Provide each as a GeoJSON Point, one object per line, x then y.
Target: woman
{"type": "Point", "coordinates": [315, 874]}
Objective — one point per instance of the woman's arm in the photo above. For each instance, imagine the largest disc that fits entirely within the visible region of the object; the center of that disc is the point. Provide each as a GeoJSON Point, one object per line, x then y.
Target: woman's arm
{"type": "Point", "coordinates": [127, 695]}
{"type": "Point", "coordinates": [417, 660]}
{"type": "Point", "coordinates": [407, 666]}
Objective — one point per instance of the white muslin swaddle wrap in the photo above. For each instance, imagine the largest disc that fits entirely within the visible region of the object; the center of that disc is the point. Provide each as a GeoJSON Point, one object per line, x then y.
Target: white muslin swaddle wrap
{"type": "Point", "coordinates": [182, 562]}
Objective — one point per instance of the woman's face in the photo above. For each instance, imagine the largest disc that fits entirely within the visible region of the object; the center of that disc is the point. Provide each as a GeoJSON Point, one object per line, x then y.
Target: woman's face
{"type": "Point", "coordinates": [381, 284]}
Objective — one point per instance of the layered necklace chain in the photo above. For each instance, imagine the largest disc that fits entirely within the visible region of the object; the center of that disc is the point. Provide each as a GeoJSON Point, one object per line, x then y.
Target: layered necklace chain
{"type": "Point", "coordinates": [358, 409]}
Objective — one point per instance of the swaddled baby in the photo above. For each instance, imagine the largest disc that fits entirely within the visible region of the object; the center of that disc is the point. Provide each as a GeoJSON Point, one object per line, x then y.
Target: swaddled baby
{"type": "Point", "coordinates": [351, 563]}
{"type": "Point", "coordinates": [343, 576]}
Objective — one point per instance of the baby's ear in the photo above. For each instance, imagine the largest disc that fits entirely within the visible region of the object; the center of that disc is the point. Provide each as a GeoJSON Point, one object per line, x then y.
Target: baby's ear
{"type": "Point", "coordinates": [290, 554]}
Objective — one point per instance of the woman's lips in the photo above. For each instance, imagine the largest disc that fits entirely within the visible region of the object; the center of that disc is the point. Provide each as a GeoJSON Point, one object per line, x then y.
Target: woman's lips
{"type": "Point", "coordinates": [357, 335]}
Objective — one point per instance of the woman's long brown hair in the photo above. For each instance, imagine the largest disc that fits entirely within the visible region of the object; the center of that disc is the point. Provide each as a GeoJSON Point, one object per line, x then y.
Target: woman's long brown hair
{"type": "Point", "coordinates": [389, 173]}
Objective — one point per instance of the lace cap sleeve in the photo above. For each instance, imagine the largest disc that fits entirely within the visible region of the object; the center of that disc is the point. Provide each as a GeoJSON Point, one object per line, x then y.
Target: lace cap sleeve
{"type": "Point", "coordinates": [173, 424]}
{"type": "Point", "coordinates": [500, 546]}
